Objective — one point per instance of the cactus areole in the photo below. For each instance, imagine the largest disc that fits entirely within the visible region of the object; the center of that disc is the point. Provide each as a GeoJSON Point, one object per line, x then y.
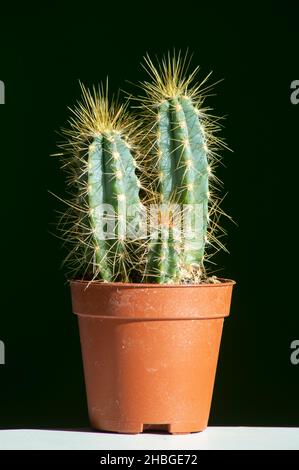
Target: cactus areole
{"type": "Point", "coordinates": [142, 220]}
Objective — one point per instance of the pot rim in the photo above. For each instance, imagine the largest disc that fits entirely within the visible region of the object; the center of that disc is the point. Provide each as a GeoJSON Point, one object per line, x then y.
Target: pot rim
{"type": "Point", "coordinates": [130, 301]}
{"type": "Point", "coordinates": [138, 285]}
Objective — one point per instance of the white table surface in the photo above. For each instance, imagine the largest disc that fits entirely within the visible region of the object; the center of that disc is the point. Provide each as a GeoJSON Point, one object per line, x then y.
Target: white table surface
{"type": "Point", "coordinates": [212, 438]}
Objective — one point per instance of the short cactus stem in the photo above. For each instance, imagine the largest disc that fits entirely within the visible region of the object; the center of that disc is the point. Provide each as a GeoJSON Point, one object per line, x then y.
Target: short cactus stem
{"type": "Point", "coordinates": [108, 187]}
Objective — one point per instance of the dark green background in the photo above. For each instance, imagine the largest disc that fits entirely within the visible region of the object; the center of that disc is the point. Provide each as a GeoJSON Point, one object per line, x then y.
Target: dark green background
{"type": "Point", "coordinates": [42, 58]}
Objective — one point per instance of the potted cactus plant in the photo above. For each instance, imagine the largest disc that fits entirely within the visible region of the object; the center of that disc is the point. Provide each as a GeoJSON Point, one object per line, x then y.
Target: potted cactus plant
{"type": "Point", "coordinates": [142, 213]}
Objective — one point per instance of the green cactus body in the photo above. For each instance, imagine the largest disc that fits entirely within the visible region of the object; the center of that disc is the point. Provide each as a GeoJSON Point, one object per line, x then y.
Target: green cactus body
{"type": "Point", "coordinates": [184, 180]}
{"type": "Point", "coordinates": [105, 223]}
{"type": "Point", "coordinates": [163, 258]}
{"type": "Point", "coordinates": [112, 186]}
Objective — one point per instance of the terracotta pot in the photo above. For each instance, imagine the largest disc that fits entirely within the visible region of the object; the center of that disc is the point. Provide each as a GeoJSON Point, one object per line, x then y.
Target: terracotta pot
{"type": "Point", "coordinates": [150, 352]}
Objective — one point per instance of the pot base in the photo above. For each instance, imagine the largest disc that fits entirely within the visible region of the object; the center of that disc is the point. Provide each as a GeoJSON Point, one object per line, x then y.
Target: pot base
{"type": "Point", "coordinates": [180, 427]}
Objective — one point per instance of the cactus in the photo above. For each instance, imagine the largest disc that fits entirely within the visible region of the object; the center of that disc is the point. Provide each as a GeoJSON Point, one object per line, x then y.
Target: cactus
{"type": "Point", "coordinates": [104, 175]}
{"type": "Point", "coordinates": [180, 134]}
{"type": "Point", "coordinates": [166, 160]}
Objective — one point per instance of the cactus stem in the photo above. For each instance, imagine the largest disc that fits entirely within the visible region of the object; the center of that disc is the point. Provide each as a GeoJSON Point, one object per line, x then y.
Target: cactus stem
{"type": "Point", "coordinates": [181, 153]}
{"type": "Point", "coordinates": [95, 142]}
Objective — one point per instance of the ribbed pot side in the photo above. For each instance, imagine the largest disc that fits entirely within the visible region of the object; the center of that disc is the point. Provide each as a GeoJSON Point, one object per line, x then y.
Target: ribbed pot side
{"type": "Point", "coordinates": [150, 352]}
